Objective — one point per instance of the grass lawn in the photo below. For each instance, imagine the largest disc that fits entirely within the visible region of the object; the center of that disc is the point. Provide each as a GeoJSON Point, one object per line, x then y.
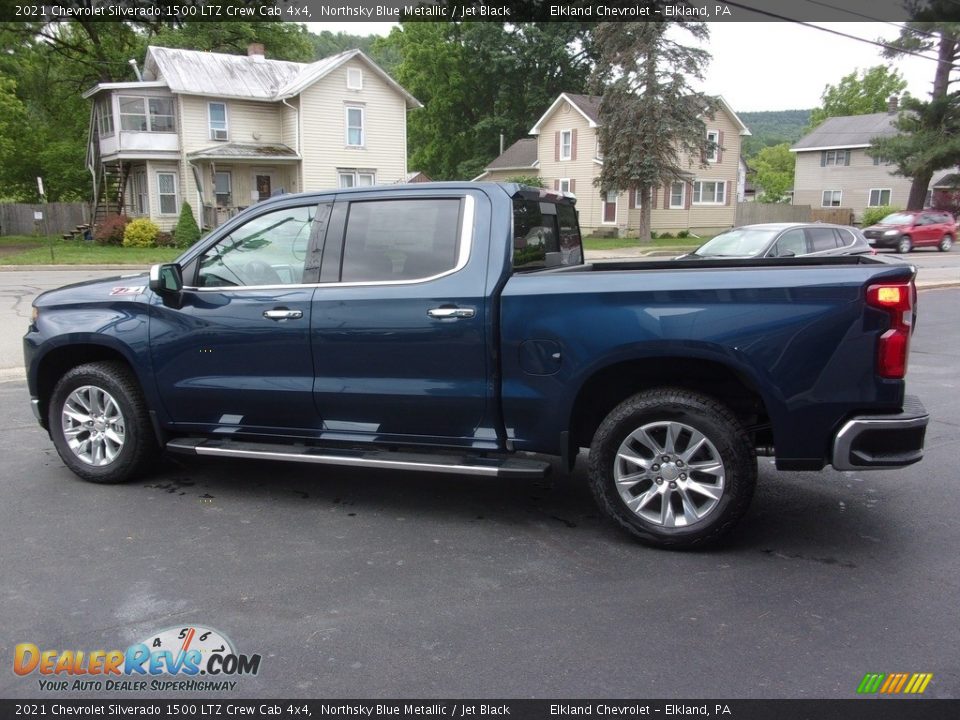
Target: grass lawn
{"type": "Point", "coordinates": [595, 243]}
{"type": "Point", "coordinates": [30, 250]}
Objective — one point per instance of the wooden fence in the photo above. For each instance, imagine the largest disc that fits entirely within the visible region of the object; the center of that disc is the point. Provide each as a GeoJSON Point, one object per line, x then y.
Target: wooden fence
{"type": "Point", "coordinates": [58, 218]}
{"type": "Point", "coordinates": [752, 213]}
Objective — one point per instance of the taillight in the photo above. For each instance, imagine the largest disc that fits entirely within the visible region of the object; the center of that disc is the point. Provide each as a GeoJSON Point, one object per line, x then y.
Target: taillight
{"type": "Point", "coordinates": [896, 299]}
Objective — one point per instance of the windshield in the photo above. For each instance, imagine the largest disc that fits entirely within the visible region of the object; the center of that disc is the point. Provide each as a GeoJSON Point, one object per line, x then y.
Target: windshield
{"type": "Point", "coordinates": [739, 242]}
{"type": "Point", "coordinates": [897, 219]}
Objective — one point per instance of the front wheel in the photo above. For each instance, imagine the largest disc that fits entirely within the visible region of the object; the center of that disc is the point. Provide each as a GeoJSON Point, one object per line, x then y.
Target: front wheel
{"type": "Point", "coordinates": [100, 424]}
{"type": "Point", "coordinates": [673, 467]}
{"type": "Point", "coordinates": [946, 242]}
{"type": "Point", "coordinates": [904, 245]}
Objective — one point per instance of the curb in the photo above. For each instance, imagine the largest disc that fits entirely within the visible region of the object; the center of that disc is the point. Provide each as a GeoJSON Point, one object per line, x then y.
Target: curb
{"type": "Point", "coordinates": [13, 268]}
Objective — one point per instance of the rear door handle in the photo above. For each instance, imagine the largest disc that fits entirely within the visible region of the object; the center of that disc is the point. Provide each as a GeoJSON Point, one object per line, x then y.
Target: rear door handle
{"type": "Point", "coordinates": [441, 313]}
{"type": "Point", "coordinates": [283, 314]}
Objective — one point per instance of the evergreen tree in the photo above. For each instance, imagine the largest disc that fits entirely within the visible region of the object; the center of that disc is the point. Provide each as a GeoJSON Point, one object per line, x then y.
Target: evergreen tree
{"type": "Point", "coordinates": [187, 231]}
{"type": "Point", "coordinates": [652, 129]}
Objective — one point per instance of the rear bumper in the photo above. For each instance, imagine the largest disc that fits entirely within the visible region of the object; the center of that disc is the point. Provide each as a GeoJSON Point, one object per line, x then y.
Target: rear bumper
{"type": "Point", "coordinates": [881, 442]}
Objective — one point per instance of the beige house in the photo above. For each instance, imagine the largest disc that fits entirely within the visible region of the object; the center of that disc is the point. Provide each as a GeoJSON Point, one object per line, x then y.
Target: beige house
{"type": "Point", "coordinates": [226, 131]}
{"type": "Point", "coordinates": [834, 170]}
{"type": "Point", "coordinates": [568, 158]}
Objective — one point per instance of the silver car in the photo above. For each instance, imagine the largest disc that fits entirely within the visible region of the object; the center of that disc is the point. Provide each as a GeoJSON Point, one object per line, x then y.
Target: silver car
{"type": "Point", "coordinates": [783, 240]}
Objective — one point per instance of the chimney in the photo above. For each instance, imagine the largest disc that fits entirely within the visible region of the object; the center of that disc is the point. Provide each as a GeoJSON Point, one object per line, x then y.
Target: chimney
{"type": "Point", "coordinates": [892, 104]}
{"type": "Point", "coordinates": [256, 51]}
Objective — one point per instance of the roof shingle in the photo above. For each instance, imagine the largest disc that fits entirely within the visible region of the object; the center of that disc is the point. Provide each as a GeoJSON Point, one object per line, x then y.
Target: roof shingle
{"type": "Point", "coordinates": [848, 131]}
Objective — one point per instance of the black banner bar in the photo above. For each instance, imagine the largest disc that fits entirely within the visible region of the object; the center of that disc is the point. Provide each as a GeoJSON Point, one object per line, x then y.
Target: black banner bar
{"type": "Point", "coordinates": [471, 10]}
{"type": "Point", "coordinates": [204, 709]}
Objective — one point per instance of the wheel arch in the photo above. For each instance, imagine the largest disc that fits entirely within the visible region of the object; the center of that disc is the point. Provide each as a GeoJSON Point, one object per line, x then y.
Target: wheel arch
{"type": "Point", "coordinates": [57, 361]}
{"type": "Point", "coordinates": [608, 386]}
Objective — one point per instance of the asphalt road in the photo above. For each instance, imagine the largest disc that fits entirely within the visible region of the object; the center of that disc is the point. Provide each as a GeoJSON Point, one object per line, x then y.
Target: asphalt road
{"type": "Point", "coordinates": [360, 584]}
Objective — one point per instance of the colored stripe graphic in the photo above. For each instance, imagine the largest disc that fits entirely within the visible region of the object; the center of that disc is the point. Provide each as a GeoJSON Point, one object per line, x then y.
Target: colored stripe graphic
{"type": "Point", "coordinates": [894, 683]}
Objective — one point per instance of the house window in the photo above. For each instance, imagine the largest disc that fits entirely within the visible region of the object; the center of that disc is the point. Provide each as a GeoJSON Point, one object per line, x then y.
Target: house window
{"type": "Point", "coordinates": [138, 114]}
{"type": "Point", "coordinates": [637, 198]}
{"type": "Point", "coordinates": [356, 178]}
{"type": "Point", "coordinates": [835, 157]}
{"type": "Point", "coordinates": [709, 192]}
{"type": "Point", "coordinates": [217, 117]}
{"type": "Point", "coordinates": [878, 197]}
{"type": "Point", "coordinates": [609, 207]}
{"type": "Point", "coordinates": [564, 185]}
{"type": "Point", "coordinates": [222, 187]}
{"type": "Point", "coordinates": [678, 195]}
{"type": "Point", "coordinates": [140, 199]}
{"type": "Point", "coordinates": [104, 119]}
{"type": "Point", "coordinates": [167, 192]}
{"type": "Point", "coordinates": [831, 198]}
{"type": "Point", "coordinates": [566, 144]}
{"type": "Point", "coordinates": [161, 114]}
{"type": "Point", "coordinates": [354, 79]}
{"type": "Point", "coordinates": [713, 139]}
{"type": "Point", "coordinates": [355, 132]}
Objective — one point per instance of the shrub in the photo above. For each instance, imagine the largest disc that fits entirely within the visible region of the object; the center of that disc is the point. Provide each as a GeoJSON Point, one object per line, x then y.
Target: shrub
{"type": "Point", "coordinates": [110, 230]}
{"type": "Point", "coordinates": [874, 215]}
{"type": "Point", "coordinates": [165, 239]}
{"type": "Point", "coordinates": [141, 233]}
{"type": "Point", "coordinates": [187, 231]}
{"type": "Point", "coordinates": [683, 234]}
{"type": "Point", "coordinates": [666, 236]}
{"type": "Point", "coordinates": [653, 235]}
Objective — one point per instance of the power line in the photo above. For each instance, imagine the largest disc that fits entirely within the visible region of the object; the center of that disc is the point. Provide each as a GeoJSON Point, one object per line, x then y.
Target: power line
{"type": "Point", "coordinates": [886, 46]}
{"type": "Point", "coordinates": [869, 17]}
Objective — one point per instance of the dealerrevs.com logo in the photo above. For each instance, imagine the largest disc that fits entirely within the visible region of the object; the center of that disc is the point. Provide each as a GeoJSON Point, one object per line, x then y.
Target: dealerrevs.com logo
{"type": "Point", "coordinates": [179, 659]}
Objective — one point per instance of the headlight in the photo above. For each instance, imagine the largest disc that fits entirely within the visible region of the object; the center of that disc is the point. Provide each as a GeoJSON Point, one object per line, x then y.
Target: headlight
{"type": "Point", "coordinates": [34, 315]}
{"type": "Point", "coordinates": [888, 233]}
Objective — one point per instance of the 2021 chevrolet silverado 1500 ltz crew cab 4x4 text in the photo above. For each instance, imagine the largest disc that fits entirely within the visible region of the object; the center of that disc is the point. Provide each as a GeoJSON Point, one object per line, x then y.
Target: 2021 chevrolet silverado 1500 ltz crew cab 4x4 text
{"type": "Point", "coordinates": [455, 327]}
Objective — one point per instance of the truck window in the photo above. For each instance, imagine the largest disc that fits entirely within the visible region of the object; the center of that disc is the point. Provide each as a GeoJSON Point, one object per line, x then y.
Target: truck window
{"type": "Point", "coordinates": [401, 239]}
{"type": "Point", "coordinates": [268, 250]}
{"type": "Point", "coordinates": [545, 235]}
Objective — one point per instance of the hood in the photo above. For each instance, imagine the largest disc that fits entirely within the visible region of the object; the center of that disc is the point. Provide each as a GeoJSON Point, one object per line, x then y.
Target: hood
{"type": "Point", "coordinates": [129, 288]}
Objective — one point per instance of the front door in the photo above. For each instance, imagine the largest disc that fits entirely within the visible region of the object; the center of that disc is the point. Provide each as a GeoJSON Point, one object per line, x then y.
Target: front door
{"type": "Point", "coordinates": [400, 328]}
{"type": "Point", "coordinates": [263, 182]}
{"type": "Point", "coordinates": [234, 355]}
{"type": "Point", "coordinates": [610, 208]}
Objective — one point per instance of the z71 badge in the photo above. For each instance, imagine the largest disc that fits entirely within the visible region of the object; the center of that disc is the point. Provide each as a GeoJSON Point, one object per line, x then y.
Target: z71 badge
{"type": "Point", "coordinates": [132, 290]}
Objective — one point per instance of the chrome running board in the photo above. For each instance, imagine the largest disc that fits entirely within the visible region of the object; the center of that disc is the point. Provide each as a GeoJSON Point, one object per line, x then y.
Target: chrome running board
{"type": "Point", "coordinates": [374, 459]}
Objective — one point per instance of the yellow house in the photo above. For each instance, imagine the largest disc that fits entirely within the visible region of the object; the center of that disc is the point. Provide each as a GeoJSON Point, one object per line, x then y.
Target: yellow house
{"type": "Point", "coordinates": [226, 131]}
{"type": "Point", "coordinates": [568, 158]}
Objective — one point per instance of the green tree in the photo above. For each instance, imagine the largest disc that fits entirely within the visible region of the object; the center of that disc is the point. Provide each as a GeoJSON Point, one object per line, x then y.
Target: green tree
{"type": "Point", "coordinates": [773, 172]}
{"type": "Point", "coordinates": [860, 93]}
{"type": "Point", "coordinates": [187, 231]}
{"type": "Point", "coordinates": [652, 127]}
{"type": "Point", "coordinates": [929, 137]}
{"type": "Point", "coordinates": [478, 80]}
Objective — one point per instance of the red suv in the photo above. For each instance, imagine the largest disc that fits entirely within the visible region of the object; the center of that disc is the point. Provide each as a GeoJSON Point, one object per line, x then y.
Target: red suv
{"type": "Point", "coordinates": [913, 228]}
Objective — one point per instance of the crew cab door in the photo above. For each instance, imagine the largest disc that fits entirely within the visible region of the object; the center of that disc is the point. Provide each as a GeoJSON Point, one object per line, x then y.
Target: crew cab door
{"type": "Point", "coordinates": [401, 320]}
{"type": "Point", "coordinates": [233, 354]}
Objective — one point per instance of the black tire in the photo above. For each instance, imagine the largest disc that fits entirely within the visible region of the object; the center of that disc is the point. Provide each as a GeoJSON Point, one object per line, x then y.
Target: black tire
{"type": "Point", "coordinates": [726, 440]}
{"type": "Point", "coordinates": [904, 245]}
{"type": "Point", "coordinates": [139, 447]}
{"type": "Point", "coordinates": [946, 242]}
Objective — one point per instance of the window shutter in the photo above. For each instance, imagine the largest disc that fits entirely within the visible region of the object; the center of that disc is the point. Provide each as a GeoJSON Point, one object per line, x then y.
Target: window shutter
{"type": "Point", "coordinates": [823, 158]}
{"type": "Point", "coordinates": [556, 146]}
{"type": "Point", "coordinates": [726, 193]}
{"type": "Point", "coordinates": [573, 144]}
{"type": "Point", "coordinates": [666, 196]}
{"type": "Point", "coordinates": [653, 198]}
{"type": "Point", "coordinates": [846, 157]}
{"type": "Point", "coordinates": [573, 185]}
{"type": "Point", "coordinates": [688, 199]}
{"type": "Point", "coordinates": [556, 184]}
{"type": "Point", "coordinates": [632, 200]}
{"type": "Point", "coordinates": [720, 146]}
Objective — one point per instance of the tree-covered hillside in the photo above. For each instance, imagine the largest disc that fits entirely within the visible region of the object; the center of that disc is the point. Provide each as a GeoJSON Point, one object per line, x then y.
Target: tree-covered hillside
{"type": "Point", "coordinates": [773, 127]}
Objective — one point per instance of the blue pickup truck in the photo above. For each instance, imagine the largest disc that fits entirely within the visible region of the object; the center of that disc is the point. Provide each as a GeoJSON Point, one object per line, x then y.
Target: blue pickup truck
{"type": "Point", "coordinates": [454, 327]}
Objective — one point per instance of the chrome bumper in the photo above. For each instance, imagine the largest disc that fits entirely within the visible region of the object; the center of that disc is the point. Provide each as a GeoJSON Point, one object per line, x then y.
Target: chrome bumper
{"type": "Point", "coordinates": [35, 406]}
{"type": "Point", "coordinates": [882, 442]}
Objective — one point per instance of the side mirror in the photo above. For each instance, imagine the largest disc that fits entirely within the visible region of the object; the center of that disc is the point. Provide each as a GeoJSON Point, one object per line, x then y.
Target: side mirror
{"type": "Point", "coordinates": [166, 279]}
{"type": "Point", "coordinates": [787, 253]}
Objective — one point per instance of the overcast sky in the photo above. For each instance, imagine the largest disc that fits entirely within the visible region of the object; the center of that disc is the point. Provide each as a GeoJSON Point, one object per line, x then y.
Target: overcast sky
{"type": "Point", "coordinates": [771, 66]}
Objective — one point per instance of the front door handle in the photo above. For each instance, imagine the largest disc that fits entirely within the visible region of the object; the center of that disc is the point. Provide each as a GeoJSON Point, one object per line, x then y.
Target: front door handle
{"type": "Point", "coordinates": [442, 313]}
{"type": "Point", "coordinates": [283, 314]}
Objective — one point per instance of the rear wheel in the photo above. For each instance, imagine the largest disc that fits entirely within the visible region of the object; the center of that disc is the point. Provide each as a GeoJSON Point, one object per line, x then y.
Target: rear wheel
{"type": "Point", "coordinates": [99, 423]}
{"type": "Point", "coordinates": [672, 467]}
{"type": "Point", "coordinates": [946, 242]}
{"type": "Point", "coordinates": [904, 245]}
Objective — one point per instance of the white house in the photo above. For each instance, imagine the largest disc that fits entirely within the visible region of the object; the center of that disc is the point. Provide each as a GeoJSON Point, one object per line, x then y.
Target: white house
{"type": "Point", "coordinates": [225, 131]}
